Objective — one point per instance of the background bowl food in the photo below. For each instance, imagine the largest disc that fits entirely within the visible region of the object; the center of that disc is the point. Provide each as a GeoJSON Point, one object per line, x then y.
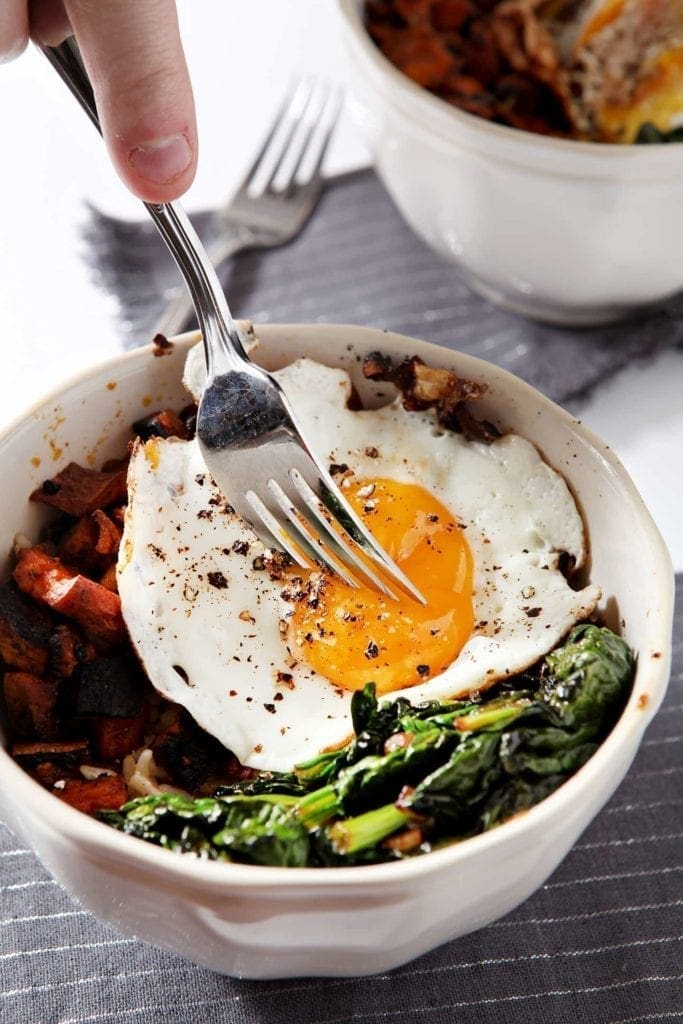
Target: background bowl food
{"type": "Point", "coordinates": [279, 922]}
{"type": "Point", "coordinates": [564, 231]}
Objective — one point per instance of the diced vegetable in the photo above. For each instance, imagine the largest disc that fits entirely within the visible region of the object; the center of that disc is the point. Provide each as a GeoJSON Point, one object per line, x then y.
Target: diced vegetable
{"type": "Point", "coordinates": [64, 752]}
{"type": "Point", "coordinates": [77, 490]}
{"type": "Point", "coordinates": [25, 630]}
{"type": "Point", "coordinates": [31, 704]}
{"type": "Point", "coordinates": [257, 830]}
{"type": "Point", "coordinates": [414, 776]}
{"type": "Point", "coordinates": [68, 650]}
{"type": "Point", "coordinates": [165, 423]}
{"type": "Point", "coordinates": [114, 738]}
{"type": "Point", "coordinates": [48, 581]}
{"type": "Point", "coordinates": [111, 687]}
{"type": "Point", "coordinates": [91, 543]}
{"type": "Point", "coordinates": [91, 795]}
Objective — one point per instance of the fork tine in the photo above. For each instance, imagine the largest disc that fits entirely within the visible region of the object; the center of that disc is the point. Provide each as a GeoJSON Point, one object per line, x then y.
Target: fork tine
{"type": "Point", "coordinates": [305, 528]}
{"type": "Point", "coordinates": [300, 123]}
{"type": "Point", "coordinates": [354, 535]}
{"type": "Point", "coordinates": [278, 532]}
{"type": "Point", "coordinates": [341, 543]}
{"type": "Point", "coordinates": [290, 103]}
{"type": "Point", "coordinates": [330, 111]}
{"type": "Point", "coordinates": [306, 538]}
{"type": "Point", "coordinates": [311, 139]}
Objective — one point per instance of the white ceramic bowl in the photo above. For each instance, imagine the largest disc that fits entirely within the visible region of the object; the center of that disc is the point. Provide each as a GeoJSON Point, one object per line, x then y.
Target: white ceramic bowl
{"type": "Point", "coordinates": [278, 922]}
{"type": "Point", "coordinates": [563, 231]}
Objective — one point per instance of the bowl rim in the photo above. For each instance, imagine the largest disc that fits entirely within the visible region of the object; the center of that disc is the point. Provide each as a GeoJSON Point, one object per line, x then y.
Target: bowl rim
{"type": "Point", "coordinates": [95, 838]}
{"type": "Point", "coordinates": [447, 115]}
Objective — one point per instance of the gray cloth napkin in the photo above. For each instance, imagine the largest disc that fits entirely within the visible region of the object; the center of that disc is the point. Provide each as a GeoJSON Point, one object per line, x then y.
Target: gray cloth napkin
{"type": "Point", "coordinates": [600, 943]}
{"type": "Point", "coordinates": [357, 262]}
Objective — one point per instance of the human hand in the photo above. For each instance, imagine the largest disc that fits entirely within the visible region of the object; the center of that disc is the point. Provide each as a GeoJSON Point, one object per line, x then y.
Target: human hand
{"type": "Point", "coordinates": [134, 57]}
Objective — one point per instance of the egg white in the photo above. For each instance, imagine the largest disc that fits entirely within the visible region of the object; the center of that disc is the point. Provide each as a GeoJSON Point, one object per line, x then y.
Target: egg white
{"type": "Point", "coordinates": [209, 623]}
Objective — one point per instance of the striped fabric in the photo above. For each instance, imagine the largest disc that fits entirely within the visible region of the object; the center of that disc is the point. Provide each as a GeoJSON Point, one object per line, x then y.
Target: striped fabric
{"type": "Point", "coordinates": [600, 943]}
{"type": "Point", "coordinates": [357, 262]}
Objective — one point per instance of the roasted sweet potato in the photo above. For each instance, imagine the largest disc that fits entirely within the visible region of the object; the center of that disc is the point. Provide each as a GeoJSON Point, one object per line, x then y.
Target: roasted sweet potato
{"type": "Point", "coordinates": [48, 772]}
{"type": "Point", "coordinates": [25, 631]}
{"type": "Point", "coordinates": [62, 752]}
{"type": "Point", "coordinates": [188, 754]}
{"type": "Point", "coordinates": [450, 15]}
{"type": "Point", "coordinates": [76, 546]}
{"type": "Point", "coordinates": [111, 688]}
{"type": "Point", "coordinates": [68, 650]}
{"type": "Point", "coordinates": [77, 490]}
{"type": "Point", "coordinates": [421, 56]}
{"type": "Point", "coordinates": [108, 536]}
{"type": "Point", "coordinates": [91, 544]}
{"type": "Point", "coordinates": [164, 423]}
{"type": "Point", "coordinates": [31, 705]}
{"type": "Point", "coordinates": [114, 738]}
{"type": "Point", "coordinates": [108, 579]}
{"type": "Point", "coordinates": [415, 12]}
{"type": "Point", "coordinates": [449, 45]}
{"type": "Point", "coordinates": [90, 795]}
{"type": "Point", "coordinates": [96, 609]}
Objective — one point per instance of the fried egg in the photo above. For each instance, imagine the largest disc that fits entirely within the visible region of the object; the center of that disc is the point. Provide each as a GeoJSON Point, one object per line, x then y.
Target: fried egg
{"type": "Point", "coordinates": [265, 658]}
{"type": "Point", "coordinates": [624, 60]}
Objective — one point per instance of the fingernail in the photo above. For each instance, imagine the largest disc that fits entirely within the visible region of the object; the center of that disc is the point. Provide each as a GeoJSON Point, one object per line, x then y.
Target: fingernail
{"type": "Point", "coordinates": [163, 160]}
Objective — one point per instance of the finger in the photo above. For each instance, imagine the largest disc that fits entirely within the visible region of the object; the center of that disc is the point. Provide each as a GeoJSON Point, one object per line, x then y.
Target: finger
{"type": "Point", "coordinates": [13, 29]}
{"type": "Point", "coordinates": [135, 59]}
{"type": "Point", "coordinates": [50, 23]}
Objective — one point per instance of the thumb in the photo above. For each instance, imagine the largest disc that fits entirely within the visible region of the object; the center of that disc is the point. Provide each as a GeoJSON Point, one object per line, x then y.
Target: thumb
{"type": "Point", "coordinates": [135, 60]}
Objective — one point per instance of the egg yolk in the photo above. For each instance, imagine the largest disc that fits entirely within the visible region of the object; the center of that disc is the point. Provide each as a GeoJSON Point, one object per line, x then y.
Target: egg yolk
{"type": "Point", "coordinates": [355, 636]}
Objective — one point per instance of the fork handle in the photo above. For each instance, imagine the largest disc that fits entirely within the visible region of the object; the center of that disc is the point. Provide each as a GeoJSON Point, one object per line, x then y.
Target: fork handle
{"type": "Point", "coordinates": [215, 320]}
{"type": "Point", "coordinates": [180, 308]}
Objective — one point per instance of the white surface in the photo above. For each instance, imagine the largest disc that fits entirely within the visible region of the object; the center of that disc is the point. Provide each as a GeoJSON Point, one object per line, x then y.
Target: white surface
{"type": "Point", "coordinates": [346, 921]}
{"type": "Point", "coordinates": [54, 319]}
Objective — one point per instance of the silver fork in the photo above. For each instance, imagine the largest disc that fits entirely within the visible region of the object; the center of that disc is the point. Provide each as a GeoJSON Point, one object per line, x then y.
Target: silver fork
{"type": "Point", "coordinates": [279, 190]}
{"type": "Point", "coordinates": [247, 431]}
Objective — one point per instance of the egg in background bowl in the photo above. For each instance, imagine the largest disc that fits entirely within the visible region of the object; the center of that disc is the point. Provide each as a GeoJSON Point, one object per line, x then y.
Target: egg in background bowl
{"type": "Point", "coordinates": [277, 922]}
{"type": "Point", "coordinates": [562, 231]}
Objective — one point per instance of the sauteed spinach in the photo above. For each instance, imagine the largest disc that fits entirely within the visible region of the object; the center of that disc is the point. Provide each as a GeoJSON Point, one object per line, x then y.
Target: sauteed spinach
{"type": "Point", "coordinates": [415, 776]}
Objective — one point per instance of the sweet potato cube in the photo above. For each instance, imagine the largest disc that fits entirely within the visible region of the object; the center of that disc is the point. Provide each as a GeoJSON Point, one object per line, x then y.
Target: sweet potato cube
{"type": "Point", "coordinates": [111, 687]}
{"type": "Point", "coordinates": [25, 630]}
{"type": "Point", "coordinates": [115, 738]}
{"type": "Point", "coordinates": [64, 752]}
{"type": "Point", "coordinates": [165, 423]}
{"type": "Point", "coordinates": [68, 650]}
{"type": "Point", "coordinates": [108, 536]}
{"type": "Point", "coordinates": [48, 772]}
{"type": "Point", "coordinates": [421, 56]}
{"type": "Point", "coordinates": [77, 545]}
{"type": "Point", "coordinates": [89, 795]}
{"type": "Point", "coordinates": [91, 543]}
{"type": "Point", "coordinates": [31, 703]}
{"type": "Point", "coordinates": [96, 609]}
{"type": "Point", "coordinates": [77, 490]}
{"type": "Point", "coordinates": [415, 12]}
{"type": "Point", "coordinates": [108, 579]}
{"type": "Point", "coordinates": [450, 15]}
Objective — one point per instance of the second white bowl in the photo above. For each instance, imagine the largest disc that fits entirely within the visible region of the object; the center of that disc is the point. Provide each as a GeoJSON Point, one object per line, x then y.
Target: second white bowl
{"type": "Point", "coordinates": [567, 232]}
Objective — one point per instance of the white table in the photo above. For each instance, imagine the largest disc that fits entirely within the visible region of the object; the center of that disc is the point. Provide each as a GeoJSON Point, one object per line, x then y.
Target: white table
{"type": "Point", "coordinates": [54, 319]}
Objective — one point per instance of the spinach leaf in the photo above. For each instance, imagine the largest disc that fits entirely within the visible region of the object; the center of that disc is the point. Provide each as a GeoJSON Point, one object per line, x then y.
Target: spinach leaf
{"type": "Point", "coordinates": [254, 830]}
{"type": "Point", "coordinates": [453, 769]}
{"type": "Point", "coordinates": [649, 133]}
{"type": "Point", "coordinates": [587, 679]}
